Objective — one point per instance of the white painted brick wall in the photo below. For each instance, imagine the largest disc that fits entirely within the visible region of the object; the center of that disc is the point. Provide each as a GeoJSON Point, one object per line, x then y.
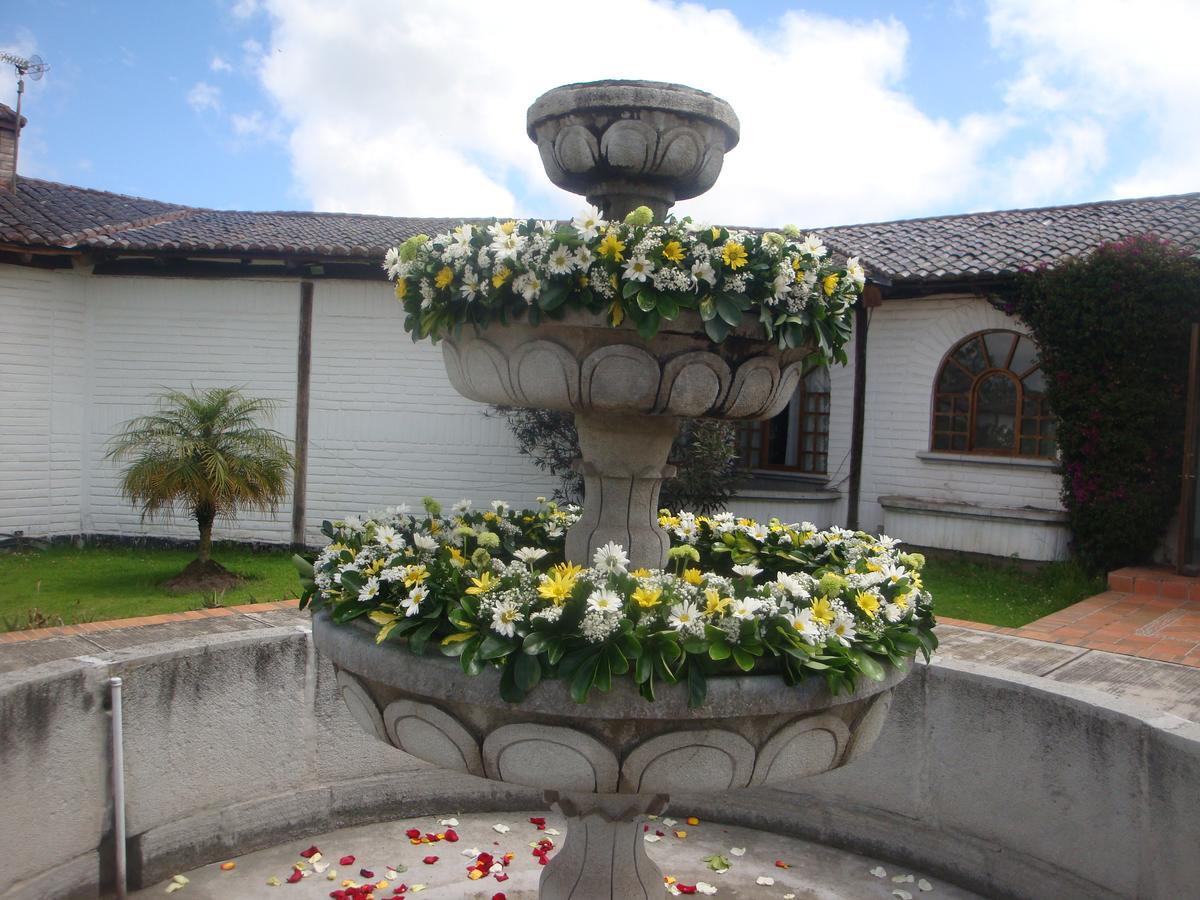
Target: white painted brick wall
{"type": "Point", "coordinates": [81, 354]}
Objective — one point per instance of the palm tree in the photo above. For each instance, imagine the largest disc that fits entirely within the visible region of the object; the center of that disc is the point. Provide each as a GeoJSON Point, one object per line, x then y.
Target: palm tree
{"type": "Point", "coordinates": [206, 451]}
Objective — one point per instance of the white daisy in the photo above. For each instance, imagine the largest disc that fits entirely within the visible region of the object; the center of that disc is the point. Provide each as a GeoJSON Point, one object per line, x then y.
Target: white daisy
{"type": "Point", "coordinates": [744, 608]}
{"type": "Point", "coordinates": [813, 246]}
{"type": "Point", "coordinates": [703, 271]}
{"type": "Point", "coordinates": [843, 628]}
{"type": "Point", "coordinates": [423, 541]}
{"type": "Point", "coordinates": [530, 555]}
{"type": "Point", "coordinates": [471, 284]}
{"type": "Point", "coordinates": [611, 558]}
{"type": "Point", "coordinates": [683, 616]}
{"type": "Point", "coordinates": [604, 601]}
{"type": "Point", "coordinates": [803, 622]}
{"type": "Point", "coordinates": [505, 618]}
{"type": "Point", "coordinates": [854, 271]}
{"type": "Point", "coordinates": [561, 261]}
{"type": "Point", "coordinates": [412, 603]}
{"type": "Point", "coordinates": [747, 571]}
{"type": "Point", "coordinates": [589, 223]}
{"type": "Point", "coordinates": [637, 269]}
{"type": "Point", "coordinates": [369, 590]}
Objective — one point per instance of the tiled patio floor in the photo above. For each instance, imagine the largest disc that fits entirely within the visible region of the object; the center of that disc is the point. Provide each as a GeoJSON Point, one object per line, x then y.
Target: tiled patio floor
{"type": "Point", "coordinates": [1151, 613]}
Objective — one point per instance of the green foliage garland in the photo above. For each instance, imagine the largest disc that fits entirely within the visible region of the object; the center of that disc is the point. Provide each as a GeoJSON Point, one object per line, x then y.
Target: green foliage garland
{"type": "Point", "coordinates": [1113, 331]}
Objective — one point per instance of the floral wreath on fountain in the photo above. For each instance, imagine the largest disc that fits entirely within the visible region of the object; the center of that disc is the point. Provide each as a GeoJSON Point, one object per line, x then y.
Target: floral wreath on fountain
{"type": "Point", "coordinates": [492, 588]}
{"type": "Point", "coordinates": [633, 270]}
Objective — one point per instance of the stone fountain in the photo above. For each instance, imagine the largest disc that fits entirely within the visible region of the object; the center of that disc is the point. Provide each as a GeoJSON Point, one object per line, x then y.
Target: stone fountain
{"type": "Point", "coordinates": [607, 764]}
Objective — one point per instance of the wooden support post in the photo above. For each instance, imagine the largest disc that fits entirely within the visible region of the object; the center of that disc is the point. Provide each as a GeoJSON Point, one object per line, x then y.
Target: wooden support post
{"type": "Point", "coordinates": [1185, 561]}
{"type": "Point", "coordinates": [303, 371]}
{"type": "Point", "coordinates": [871, 297]}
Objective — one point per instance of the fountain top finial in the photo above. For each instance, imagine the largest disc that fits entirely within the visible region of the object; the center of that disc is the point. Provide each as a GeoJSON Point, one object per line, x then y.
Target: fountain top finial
{"type": "Point", "coordinates": [625, 144]}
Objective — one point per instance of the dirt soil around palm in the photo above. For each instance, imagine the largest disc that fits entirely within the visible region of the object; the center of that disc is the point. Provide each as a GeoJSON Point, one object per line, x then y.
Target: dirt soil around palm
{"type": "Point", "coordinates": [202, 576]}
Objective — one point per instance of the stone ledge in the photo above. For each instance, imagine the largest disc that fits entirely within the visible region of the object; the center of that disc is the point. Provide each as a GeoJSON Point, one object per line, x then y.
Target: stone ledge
{"type": "Point", "coordinates": [923, 506]}
{"type": "Point", "coordinates": [971, 459]}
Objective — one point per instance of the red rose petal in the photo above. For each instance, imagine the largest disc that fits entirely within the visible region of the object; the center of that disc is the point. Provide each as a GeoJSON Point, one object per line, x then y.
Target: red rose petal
{"type": "Point", "coordinates": [780, 864]}
{"type": "Point", "coordinates": [366, 873]}
{"type": "Point", "coordinates": [295, 876]}
{"type": "Point", "coordinates": [685, 888]}
{"type": "Point", "coordinates": [413, 833]}
{"type": "Point", "coordinates": [310, 852]}
{"type": "Point", "coordinates": [346, 861]}
{"type": "Point", "coordinates": [429, 860]}
{"type": "Point", "coordinates": [499, 897]}
{"type": "Point", "coordinates": [451, 835]}
{"type": "Point", "coordinates": [500, 876]}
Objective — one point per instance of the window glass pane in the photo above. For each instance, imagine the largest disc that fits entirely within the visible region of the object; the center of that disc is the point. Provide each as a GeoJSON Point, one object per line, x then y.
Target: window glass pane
{"type": "Point", "coordinates": [971, 356]}
{"type": "Point", "coordinates": [1035, 383]}
{"type": "Point", "coordinates": [999, 343]}
{"type": "Point", "coordinates": [941, 442]}
{"type": "Point", "coordinates": [954, 380]}
{"type": "Point", "coordinates": [958, 442]}
{"type": "Point", "coordinates": [995, 413]}
{"type": "Point", "coordinates": [1029, 447]}
{"type": "Point", "coordinates": [1025, 356]}
{"type": "Point", "coordinates": [777, 441]}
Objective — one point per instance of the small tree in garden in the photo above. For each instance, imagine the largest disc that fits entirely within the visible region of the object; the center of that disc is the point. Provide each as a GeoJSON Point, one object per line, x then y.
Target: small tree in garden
{"type": "Point", "coordinates": [705, 458]}
{"type": "Point", "coordinates": [207, 452]}
{"type": "Point", "coordinates": [1113, 332]}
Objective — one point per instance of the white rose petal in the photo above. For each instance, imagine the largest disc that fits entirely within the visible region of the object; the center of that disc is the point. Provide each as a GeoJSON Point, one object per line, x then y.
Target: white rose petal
{"type": "Point", "coordinates": [903, 879]}
{"type": "Point", "coordinates": [879, 872]}
{"type": "Point", "coordinates": [471, 852]}
{"type": "Point", "coordinates": [501, 829]}
{"type": "Point", "coordinates": [703, 887]}
{"type": "Point", "coordinates": [738, 851]}
{"type": "Point", "coordinates": [451, 823]}
{"type": "Point", "coordinates": [670, 823]}
{"type": "Point", "coordinates": [553, 831]}
{"type": "Point", "coordinates": [924, 885]}
{"type": "Point", "coordinates": [765, 880]}
{"type": "Point", "coordinates": [903, 895]}
{"type": "Point", "coordinates": [653, 838]}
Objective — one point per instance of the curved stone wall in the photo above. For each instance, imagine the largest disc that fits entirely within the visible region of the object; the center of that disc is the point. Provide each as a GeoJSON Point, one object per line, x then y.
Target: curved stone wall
{"type": "Point", "coordinates": [1002, 783]}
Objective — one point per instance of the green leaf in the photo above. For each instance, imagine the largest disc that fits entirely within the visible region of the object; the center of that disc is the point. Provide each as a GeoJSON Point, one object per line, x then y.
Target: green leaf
{"type": "Point", "coordinates": [708, 309]}
{"type": "Point", "coordinates": [647, 299]}
{"type": "Point", "coordinates": [352, 581]}
{"type": "Point", "coordinates": [728, 310]}
{"type": "Point", "coordinates": [717, 329]}
{"type": "Point", "coordinates": [419, 638]}
{"type": "Point", "coordinates": [510, 690]}
{"type": "Point", "coordinates": [744, 660]}
{"type": "Point", "coordinates": [495, 647]}
{"type": "Point", "coordinates": [668, 307]}
{"type": "Point", "coordinates": [719, 650]}
{"type": "Point", "coordinates": [617, 661]}
{"type": "Point", "coordinates": [643, 669]}
{"type": "Point", "coordinates": [629, 288]}
{"type": "Point", "coordinates": [648, 326]}
{"type": "Point", "coordinates": [693, 645]}
{"type": "Point", "coordinates": [553, 295]}
{"type": "Point", "coordinates": [868, 665]}
{"type": "Point", "coordinates": [303, 566]}
{"type": "Point", "coordinates": [527, 671]}
{"type": "Point", "coordinates": [584, 678]}
{"type": "Point", "coordinates": [536, 642]}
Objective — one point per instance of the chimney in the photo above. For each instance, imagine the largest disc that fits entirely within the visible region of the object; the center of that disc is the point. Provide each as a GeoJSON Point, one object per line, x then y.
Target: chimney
{"type": "Point", "coordinates": [9, 134]}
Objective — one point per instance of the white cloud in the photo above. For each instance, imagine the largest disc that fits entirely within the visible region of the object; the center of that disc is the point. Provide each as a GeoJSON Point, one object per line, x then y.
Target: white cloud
{"type": "Point", "coordinates": [218, 64]}
{"type": "Point", "coordinates": [204, 97]}
{"type": "Point", "coordinates": [1072, 157]}
{"type": "Point", "coordinates": [1129, 68]}
{"type": "Point", "coordinates": [244, 9]}
{"type": "Point", "coordinates": [419, 108]}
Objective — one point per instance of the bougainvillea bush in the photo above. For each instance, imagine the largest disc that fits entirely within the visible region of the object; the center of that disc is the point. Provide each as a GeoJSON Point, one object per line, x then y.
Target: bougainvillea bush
{"type": "Point", "coordinates": [1113, 331]}
{"type": "Point", "coordinates": [492, 588]}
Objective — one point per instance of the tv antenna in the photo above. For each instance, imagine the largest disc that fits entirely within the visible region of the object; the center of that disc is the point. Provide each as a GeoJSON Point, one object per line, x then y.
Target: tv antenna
{"type": "Point", "coordinates": [35, 69]}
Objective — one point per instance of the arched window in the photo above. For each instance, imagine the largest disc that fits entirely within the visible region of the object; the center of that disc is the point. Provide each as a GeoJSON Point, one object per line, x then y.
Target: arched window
{"type": "Point", "coordinates": [796, 440]}
{"type": "Point", "coordinates": [990, 398]}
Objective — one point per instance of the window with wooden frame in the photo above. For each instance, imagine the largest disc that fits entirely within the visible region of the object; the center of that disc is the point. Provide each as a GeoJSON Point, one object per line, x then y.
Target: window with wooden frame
{"type": "Point", "coordinates": [796, 440]}
{"type": "Point", "coordinates": [989, 398]}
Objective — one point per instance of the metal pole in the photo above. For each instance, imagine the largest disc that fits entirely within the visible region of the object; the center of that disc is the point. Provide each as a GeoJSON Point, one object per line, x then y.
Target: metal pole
{"type": "Point", "coordinates": [118, 775]}
{"type": "Point", "coordinates": [17, 131]}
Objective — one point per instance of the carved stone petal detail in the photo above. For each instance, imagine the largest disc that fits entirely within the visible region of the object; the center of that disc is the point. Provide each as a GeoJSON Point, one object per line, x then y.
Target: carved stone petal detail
{"type": "Point", "coordinates": [430, 734]}
{"type": "Point", "coordinates": [575, 150]}
{"type": "Point", "coordinates": [808, 746]}
{"type": "Point", "coordinates": [550, 757]}
{"type": "Point", "coordinates": [545, 375]}
{"type": "Point", "coordinates": [619, 378]}
{"type": "Point", "coordinates": [700, 760]}
{"type": "Point", "coordinates": [693, 384]}
{"type": "Point", "coordinates": [869, 726]}
{"type": "Point", "coordinates": [478, 370]}
{"type": "Point", "coordinates": [755, 386]}
{"type": "Point", "coordinates": [362, 706]}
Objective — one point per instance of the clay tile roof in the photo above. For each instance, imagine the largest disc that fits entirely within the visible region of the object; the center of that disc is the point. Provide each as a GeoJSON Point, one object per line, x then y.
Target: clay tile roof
{"type": "Point", "coordinates": [986, 245]}
{"type": "Point", "coordinates": [8, 114]}
{"type": "Point", "coordinates": [971, 247]}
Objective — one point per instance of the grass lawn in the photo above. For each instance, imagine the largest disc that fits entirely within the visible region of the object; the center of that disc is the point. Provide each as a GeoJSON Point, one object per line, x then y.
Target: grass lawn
{"type": "Point", "coordinates": [1003, 593]}
{"type": "Point", "coordinates": [95, 583]}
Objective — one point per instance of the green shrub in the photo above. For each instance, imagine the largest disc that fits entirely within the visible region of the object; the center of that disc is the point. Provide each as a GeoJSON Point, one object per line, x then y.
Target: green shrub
{"type": "Point", "coordinates": [1113, 331]}
{"type": "Point", "coordinates": [705, 457]}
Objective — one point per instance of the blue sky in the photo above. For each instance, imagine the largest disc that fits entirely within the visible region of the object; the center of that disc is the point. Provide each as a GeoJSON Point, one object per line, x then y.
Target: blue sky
{"type": "Point", "coordinates": [851, 111]}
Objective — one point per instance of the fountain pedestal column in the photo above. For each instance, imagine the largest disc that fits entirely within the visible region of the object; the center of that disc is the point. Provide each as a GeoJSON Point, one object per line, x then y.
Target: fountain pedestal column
{"type": "Point", "coordinates": [624, 464]}
{"type": "Point", "coordinates": [604, 855]}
